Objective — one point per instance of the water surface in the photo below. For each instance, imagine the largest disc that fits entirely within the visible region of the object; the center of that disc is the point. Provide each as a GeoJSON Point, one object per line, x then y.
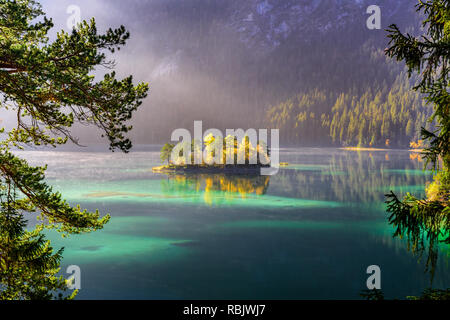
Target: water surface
{"type": "Point", "coordinates": [308, 232]}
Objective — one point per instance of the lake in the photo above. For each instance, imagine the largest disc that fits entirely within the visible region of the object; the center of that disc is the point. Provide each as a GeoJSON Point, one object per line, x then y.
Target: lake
{"type": "Point", "coordinates": [308, 232]}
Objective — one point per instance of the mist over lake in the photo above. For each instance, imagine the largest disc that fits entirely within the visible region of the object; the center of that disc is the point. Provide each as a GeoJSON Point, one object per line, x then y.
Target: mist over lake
{"type": "Point", "coordinates": [227, 156]}
{"type": "Point", "coordinates": [308, 232]}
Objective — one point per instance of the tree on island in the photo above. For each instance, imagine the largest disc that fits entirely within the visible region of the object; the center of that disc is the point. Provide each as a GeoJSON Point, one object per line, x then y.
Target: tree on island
{"type": "Point", "coordinates": [216, 152]}
{"type": "Point", "coordinates": [166, 152]}
{"type": "Point", "coordinates": [49, 86]}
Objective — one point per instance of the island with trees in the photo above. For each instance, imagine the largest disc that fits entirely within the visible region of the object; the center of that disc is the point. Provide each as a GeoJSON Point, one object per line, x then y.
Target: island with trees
{"type": "Point", "coordinates": [219, 155]}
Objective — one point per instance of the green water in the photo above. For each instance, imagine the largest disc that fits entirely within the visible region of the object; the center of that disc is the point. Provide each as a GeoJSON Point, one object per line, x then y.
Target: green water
{"type": "Point", "coordinates": [308, 232]}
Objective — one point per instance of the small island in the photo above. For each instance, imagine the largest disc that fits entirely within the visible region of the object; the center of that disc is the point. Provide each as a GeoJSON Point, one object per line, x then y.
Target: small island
{"type": "Point", "coordinates": [220, 155]}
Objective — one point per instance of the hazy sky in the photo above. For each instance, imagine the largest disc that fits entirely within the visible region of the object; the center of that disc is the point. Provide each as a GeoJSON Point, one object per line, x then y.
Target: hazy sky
{"type": "Point", "coordinates": [202, 58]}
{"type": "Point", "coordinates": [135, 58]}
{"type": "Point", "coordinates": [157, 29]}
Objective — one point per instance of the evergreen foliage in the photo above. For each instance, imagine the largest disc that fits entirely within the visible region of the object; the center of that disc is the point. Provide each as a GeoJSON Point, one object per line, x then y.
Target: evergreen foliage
{"type": "Point", "coordinates": [49, 86]}
{"type": "Point", "coordinates": [28, 265]}
{"type": "Point", "coordinates": [427, 220]}
{"type": "Point", "coordinates": [384, 117]}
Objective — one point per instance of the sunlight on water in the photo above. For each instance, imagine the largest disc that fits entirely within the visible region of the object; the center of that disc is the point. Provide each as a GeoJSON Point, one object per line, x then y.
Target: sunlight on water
{"type": "Point", "coordinates": [105, 247]}
{"type": "Point", "coordinates": [269, 224]}
{"type": "Point", "coordinates": [408, 172]}
{"type": "Point", "coordinates": [121, 239]}
{"type": "Point", "coordinates": [180, 189]}
{"type": "Point", "coordinates": [309, 231]}
{"type": "Point", "coordinates": [306, 167]}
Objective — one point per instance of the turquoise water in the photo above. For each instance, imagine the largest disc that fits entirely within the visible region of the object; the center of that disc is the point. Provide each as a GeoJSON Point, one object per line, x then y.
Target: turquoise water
{"type": "Point", "coordinates": [308, 232]}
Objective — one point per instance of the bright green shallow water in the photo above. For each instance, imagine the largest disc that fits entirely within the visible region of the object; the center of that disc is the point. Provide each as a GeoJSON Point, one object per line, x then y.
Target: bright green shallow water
{"type": "Point", "coordinates": [308, 232]}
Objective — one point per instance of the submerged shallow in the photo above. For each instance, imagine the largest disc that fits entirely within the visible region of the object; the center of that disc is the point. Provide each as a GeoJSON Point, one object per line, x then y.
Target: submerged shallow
{"type": "Point", "coordinates": [308, 232]}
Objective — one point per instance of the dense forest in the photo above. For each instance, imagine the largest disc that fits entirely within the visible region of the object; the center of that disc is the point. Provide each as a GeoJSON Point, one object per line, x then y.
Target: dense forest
{"type": "Point", "coordinates": [210, 62]}
{"type": "Point", "coordinates": [324, 80]}
{"type": "Point", "coordinates": [380, 116]}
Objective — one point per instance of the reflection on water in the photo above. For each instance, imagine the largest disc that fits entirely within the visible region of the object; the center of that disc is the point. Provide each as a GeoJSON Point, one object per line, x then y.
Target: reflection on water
{"type": "Point", "coordinates": [426, 231]}
{"type": "Point", "coordinates": [308, 232]}
{"type": "Point", "coordinates": [229, 186]}
{"type": "Point", "coordinates": [352, 177]}
{"type": "Point", "coordinates": [425, 227]}
{"type": "Point", "coordinates": [416, 156]}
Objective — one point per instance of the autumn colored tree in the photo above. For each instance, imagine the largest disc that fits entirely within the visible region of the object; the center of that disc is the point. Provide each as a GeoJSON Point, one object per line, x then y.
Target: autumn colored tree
{"type": "Point", "coordinates": [166, 152]}
{"type": "Point", "coordinates": [426, 222]}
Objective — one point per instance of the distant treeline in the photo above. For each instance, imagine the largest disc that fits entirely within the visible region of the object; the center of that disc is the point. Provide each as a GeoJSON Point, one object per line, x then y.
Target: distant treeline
{"type": "Point", "coordinates": [388, 116]}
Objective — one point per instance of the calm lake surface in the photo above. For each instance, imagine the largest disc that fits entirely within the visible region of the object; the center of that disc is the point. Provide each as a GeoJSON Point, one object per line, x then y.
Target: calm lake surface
{"type": "Point", "coordinates": [308, 232]}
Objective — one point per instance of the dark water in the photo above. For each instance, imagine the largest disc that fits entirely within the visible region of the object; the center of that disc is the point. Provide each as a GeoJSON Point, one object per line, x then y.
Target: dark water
{"type": "Point", "coordinates": [308, 232]}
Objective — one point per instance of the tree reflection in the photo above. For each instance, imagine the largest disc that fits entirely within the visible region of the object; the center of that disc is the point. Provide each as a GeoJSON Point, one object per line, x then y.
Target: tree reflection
{"type": "Point", "coordinates": [350, 177]}
{"type": "Point", "coordinates": [216, 187]}
{"type": "Point", "coordinates": [425, 224]}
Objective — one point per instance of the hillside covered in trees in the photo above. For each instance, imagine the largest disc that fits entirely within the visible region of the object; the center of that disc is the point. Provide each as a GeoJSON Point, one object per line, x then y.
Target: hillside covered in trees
{"type": "Point", "coordinates": [386, 115]}
{"type": "Point", "coordinates": [227, 62]}
{"type": "Point", "coordinates": [311, 68]}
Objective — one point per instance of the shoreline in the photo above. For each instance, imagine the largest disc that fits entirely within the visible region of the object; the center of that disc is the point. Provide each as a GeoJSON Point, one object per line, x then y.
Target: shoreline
{"type": "Point", "coordinates": [232, 169]}
{"type": "Point", "coordinates": [377, 149]}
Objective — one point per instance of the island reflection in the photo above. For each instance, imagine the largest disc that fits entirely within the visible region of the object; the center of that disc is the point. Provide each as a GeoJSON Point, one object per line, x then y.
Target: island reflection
{"type": "Point", "coordinates": [215, 187]}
